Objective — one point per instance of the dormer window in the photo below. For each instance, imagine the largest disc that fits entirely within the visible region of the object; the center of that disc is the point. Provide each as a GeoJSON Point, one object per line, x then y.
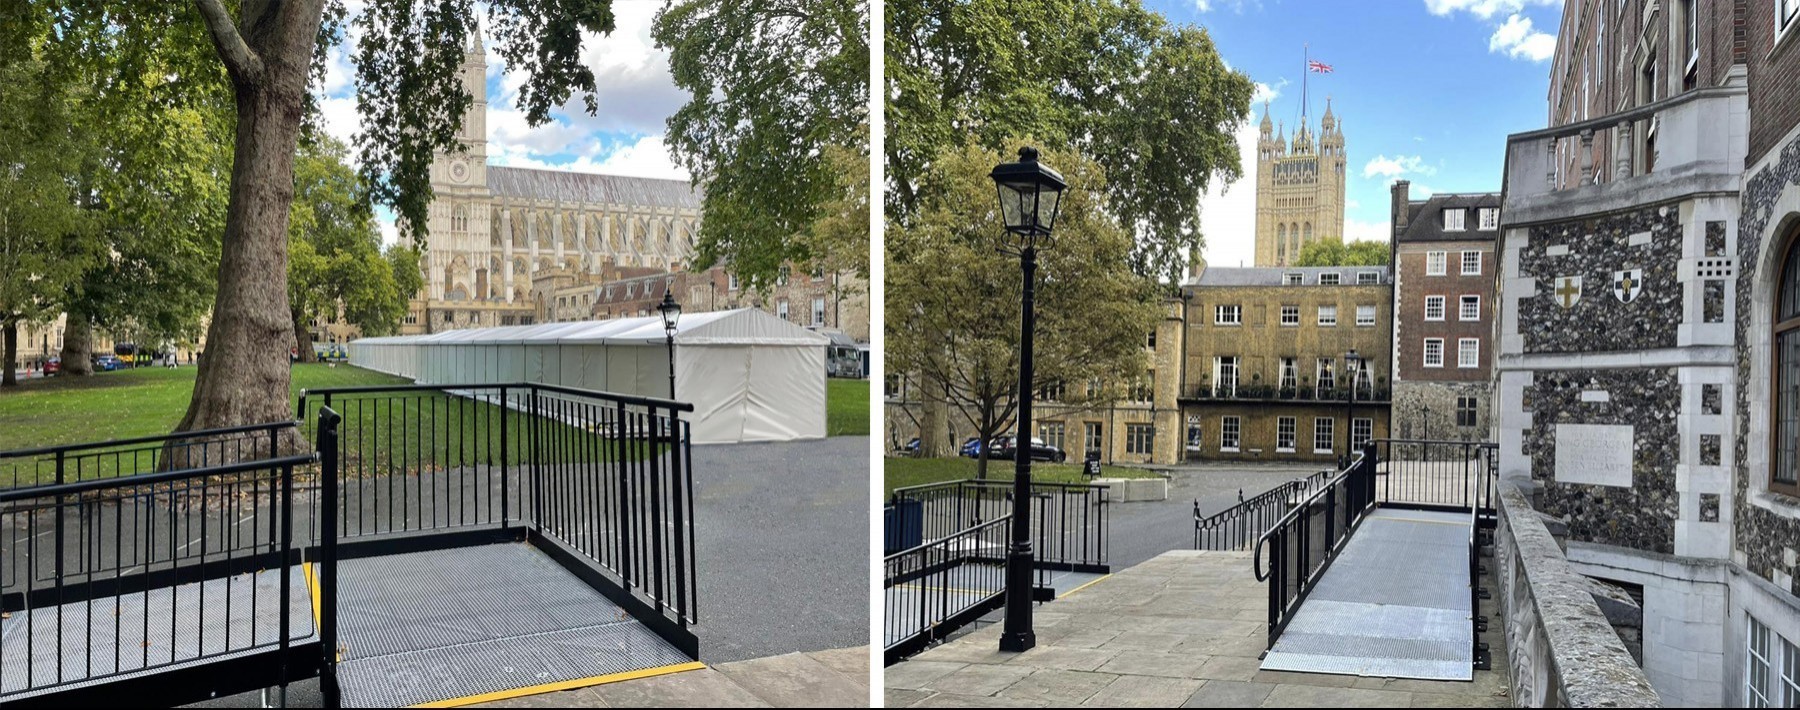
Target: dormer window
{"type": "Point", "coordinates": [1453, 219]}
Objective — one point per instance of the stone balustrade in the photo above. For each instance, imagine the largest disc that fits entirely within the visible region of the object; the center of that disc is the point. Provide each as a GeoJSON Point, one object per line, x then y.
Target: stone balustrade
{"type": "Point", "coordinates": [1561, 649]}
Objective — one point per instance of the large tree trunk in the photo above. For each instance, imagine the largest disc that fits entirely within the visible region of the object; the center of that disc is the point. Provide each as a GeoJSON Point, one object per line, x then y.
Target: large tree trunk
{"type": "Point", "coordinates": [10, 377]}
{"type": "Point", "coordinates": [244, 378]}
{"type": "Point", "coordinates": [78, 347]}
{"type": "Point", "coordinates": [303, 339]}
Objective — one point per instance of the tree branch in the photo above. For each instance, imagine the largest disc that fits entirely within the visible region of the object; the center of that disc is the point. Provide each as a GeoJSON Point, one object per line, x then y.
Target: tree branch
{"type": "Point", "coordinates": [245, 67]}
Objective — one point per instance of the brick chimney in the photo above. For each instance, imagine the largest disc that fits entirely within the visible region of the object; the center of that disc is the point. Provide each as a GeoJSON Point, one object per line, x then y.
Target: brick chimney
{"type": "Point", "coordinates": [1402, 191]}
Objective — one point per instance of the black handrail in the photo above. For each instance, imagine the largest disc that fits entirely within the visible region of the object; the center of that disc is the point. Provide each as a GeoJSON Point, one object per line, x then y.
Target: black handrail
{"type": "Point", "coordinates": [151, 439]}
{"type": "Point", "coordinates": [1234, 528]}
{"type": "Point", "coordinates": [136, 541]}
{"type": "Point", "coordinates": [935, 588]}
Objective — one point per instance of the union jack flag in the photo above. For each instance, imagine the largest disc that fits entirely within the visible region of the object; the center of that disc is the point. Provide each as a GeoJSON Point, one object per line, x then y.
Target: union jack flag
{"type": "Point", "coordinates": [1318, 66]}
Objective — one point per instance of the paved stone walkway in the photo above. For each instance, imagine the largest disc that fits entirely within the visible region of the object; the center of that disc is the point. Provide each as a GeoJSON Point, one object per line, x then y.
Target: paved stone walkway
{"type": "Point", "coordinates": [1183, 629]}
{"type": "Point", "coordinates": [834, 679]}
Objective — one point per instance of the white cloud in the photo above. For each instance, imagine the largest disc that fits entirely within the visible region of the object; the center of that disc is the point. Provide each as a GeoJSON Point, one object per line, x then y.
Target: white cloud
{"type": "Point", "coordinates": [341, 119]}
{"type": "Point", "coordinates": [1228, 216]}
{"type": "Point", "coordinates": [1267, 92]}
{"type": "Point", "coordinates": [1356, 230]}
{"type": "Point", "coordinates": [1396, 166]}
{"type": "Point", "coordinates": [645, 157]}
{"type": "Point", "coordinates": [1484, 9]}
{"type": "Point", "coordinates": [1515, 38]}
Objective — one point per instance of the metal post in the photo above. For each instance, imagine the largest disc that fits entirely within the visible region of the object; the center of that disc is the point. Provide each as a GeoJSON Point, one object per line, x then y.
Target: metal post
{"type": "Point", "coordinates": [505, 482]}
{"type": "Point", "coordinates": [1018, 635]}
{"type": "Point", "coordinates": [671, 337]}
{"type": "Point", "coordinates": [328, 578]}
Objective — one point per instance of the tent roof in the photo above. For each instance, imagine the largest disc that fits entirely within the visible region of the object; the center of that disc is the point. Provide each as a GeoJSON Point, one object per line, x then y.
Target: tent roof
{"type": "Point", "coordinates": [744, 326]}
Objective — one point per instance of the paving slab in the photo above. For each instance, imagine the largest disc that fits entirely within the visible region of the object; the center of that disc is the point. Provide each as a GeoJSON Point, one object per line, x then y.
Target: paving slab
{"type": "Point", "coordinates": [1183, 628]}
{"type": "Point", "coordinates": [1229, 694]}
{"type": "Point", "coordinates": [795, 680]}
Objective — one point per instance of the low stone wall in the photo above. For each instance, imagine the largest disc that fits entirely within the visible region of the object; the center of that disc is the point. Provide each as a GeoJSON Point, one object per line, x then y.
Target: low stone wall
{"type": "Point", "coordinates": [1561, 649]}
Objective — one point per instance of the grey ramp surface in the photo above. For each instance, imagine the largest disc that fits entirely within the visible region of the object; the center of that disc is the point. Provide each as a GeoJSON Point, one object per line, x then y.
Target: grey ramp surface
{"type": "Point", "coordinates": [1394, 604]}
{"type": "Point", "coordinates": [442, 624]}
{"type": "Point", "coordinates": [129, 635]}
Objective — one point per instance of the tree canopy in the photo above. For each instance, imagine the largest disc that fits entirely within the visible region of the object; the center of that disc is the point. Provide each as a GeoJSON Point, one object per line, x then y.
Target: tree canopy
{"type": "Point", "coordinates": [779, 87]}
{"type": "Point", "coordinates": [261, 60]}
{"type": "Point", "coordinates": [336, 265]}
{"type": "Point", "coordinates": [1152, 104]}
{"type": "Point", "coordinates": [1332, 252]}
{"type": "Point", "coordinates": [953, 295]}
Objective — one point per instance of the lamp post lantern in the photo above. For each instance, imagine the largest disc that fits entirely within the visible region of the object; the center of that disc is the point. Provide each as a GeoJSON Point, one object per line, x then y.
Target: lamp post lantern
{"type": "Point", "coordinates": [1030, 195]}
{"type": "Point", "coordinates": [671, 315]}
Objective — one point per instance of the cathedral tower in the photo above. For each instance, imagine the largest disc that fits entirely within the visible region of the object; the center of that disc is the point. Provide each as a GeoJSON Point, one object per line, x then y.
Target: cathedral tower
{"type": "Point", "coordinates": [1299, 188]}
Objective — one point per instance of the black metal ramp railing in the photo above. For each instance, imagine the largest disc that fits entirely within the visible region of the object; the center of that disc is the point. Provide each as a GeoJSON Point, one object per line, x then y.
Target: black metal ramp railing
{"type": "Point", "coordinates": [601, 483]}
{"type": "Point", "coordinates": [946, 551]}
{"type": "Point", "coordinates": [1434, 476]}
{"type": "Point", "coordinates": [1237, 527]}
{"type": "Point", "coordinates": [164, 567]}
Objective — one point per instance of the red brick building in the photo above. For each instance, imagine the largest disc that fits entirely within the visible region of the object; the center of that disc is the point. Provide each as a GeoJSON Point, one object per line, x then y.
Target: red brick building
{"type": "Point", "coordinates": [1443, 260]}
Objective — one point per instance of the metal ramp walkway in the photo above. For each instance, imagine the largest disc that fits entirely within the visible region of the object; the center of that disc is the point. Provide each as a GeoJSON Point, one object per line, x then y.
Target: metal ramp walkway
{"type": "Point", "coordinates": [478, 624]}
{"type": "Point", "coordinates": [1376, 571]}
{"type": "Point", "coordinates": [1395, 604]}
{"type": "Point", "coordinates": [437, 546]}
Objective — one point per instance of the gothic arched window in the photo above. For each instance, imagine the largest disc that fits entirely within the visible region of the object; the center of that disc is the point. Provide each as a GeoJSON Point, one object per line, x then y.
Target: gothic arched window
{"type": "Point", "coordinates": [1786, 338]}
{"type": "Point", "coordinates": [459, 222]}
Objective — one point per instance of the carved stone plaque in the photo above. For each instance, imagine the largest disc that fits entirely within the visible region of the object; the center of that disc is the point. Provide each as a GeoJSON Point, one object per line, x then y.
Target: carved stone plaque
{"type": "Point", "coordinates": [1594, 454]}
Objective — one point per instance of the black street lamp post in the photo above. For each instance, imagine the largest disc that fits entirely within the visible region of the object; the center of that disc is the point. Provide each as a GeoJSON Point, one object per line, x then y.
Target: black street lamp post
{"type": "Point", "coordinates": [1030, 194]}
{"type": "Point", "coordinates": [1427, 422]}
{"type": "Point", "coordinates": [671, 315]}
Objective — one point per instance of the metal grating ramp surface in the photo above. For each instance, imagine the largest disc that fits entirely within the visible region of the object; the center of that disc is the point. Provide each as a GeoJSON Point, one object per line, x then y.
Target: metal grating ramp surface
{"type": "Point", "coordinates": [429, 627]}
{"type": "Point", "coordinates": [143, 633]}
{"type": "Point", "coordinates": [1395, 604]}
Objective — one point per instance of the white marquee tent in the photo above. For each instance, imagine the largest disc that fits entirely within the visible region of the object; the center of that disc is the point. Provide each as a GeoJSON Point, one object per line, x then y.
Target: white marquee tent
{"type": "Point", "coordinates": [751, 376]}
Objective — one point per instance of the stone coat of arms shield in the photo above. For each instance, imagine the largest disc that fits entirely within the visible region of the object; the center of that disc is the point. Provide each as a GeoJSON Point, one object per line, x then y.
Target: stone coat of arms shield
{"type": "Point", "coordinates": [1567, 291]}
{"type": "Point", "coordinates": [1628, 284]}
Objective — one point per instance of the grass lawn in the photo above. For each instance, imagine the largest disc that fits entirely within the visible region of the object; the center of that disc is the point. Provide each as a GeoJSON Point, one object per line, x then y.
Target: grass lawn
{"type": "Point", "coordinates": [901, 472]}
{"type": "Point", "coordinates": [127, 403]}
{"type": "Point", "coordinates": [846, 407]}
{"type": "Point", "coordinates": [149, 401]}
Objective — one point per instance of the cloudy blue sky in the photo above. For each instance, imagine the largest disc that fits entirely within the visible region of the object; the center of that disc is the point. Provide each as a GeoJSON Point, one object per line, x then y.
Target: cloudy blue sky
{"type": "Point", "coordinates": [625, 137]}
{"type": "Point", "coordinates": [1427, 90]}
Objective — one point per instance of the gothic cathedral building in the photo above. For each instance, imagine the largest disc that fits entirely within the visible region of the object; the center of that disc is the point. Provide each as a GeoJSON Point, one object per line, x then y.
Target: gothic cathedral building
{"type": "Point", "coordinates": [494, 230]}
{"type": "Point", "coordinates": [1299, 188]}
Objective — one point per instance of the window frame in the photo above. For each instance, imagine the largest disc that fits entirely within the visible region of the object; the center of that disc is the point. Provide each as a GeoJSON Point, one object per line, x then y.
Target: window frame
{"type": "Point", "coordinates": [1334, 320]}
{"type": "Point", "coordinates": [1093, 436]}
{"type": "Point", "coordinates": [1293, 278]}
{"type": "Point", "coordinates": [1292, 433]}
{"type": "Point", "coordinates": [1372, 312]}
{"type": "Point", "coordinates": [1237, 315]}
{"type": "Point", "coordinates": [1147, 447]}
{"type": "Point", "coordinates": [1336, 279]}
{"type": "Point", "coordinates": [1462, 221]}
{"type": "Point", "coordinates": [1442, 306]}
{"type": "Point", "coordinates": [1425, 354]}
{"type": "Point", "coordinates": [1463, 304]}
{"type": "Point", "coordinates": [1231, 434]}
{"type": "Point", "coordinates": [1470, 406]}
{"type": "Point", "coordinates": [1785, 25]}
{"type": "Point", "coordinates": [1463, 349]}
{"type": "Point", "coordinates": [1325, 426]}
{"type": "Point", "coordinates": [1368, 278]}
{"type": "Point", "coordinates": [1442, 259]}
{"type": "Point", "coordinates": [1465, 262]}
{"type": "Point", "coordinates": [1487, 219]}
{"type": "Point", "coordinates": [1777, 329]}
{"type": "Point", "coordinates": [1776, 660]}
{"type": "Point", "coordinates": [1285, 312]}
{"type": "Point", "coordinates": [1363, 427]}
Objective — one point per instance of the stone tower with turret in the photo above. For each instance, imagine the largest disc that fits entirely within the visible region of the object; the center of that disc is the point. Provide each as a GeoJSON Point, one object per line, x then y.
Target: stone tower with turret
{"type": "Point", "coordinates": [461, 229]}
{"type": "Point", "coordinates": [1299, 187]}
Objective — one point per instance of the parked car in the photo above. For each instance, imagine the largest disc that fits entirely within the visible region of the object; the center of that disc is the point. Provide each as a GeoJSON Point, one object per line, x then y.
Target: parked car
{"type": "Point", "coordinates": [108, 363]}
{"type": "Point", "coordinates": [52, 366]}
{"type": "Point", "coordinates": [971, 448]}
{"type": "Point", "coordinates": [910, 448]}
{"type": "Point", "coordinates": [1004, 448]}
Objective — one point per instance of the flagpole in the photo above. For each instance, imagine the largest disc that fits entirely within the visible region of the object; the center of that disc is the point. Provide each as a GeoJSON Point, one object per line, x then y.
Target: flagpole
{"type": "Point", "coordinates": [1305, 69]}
